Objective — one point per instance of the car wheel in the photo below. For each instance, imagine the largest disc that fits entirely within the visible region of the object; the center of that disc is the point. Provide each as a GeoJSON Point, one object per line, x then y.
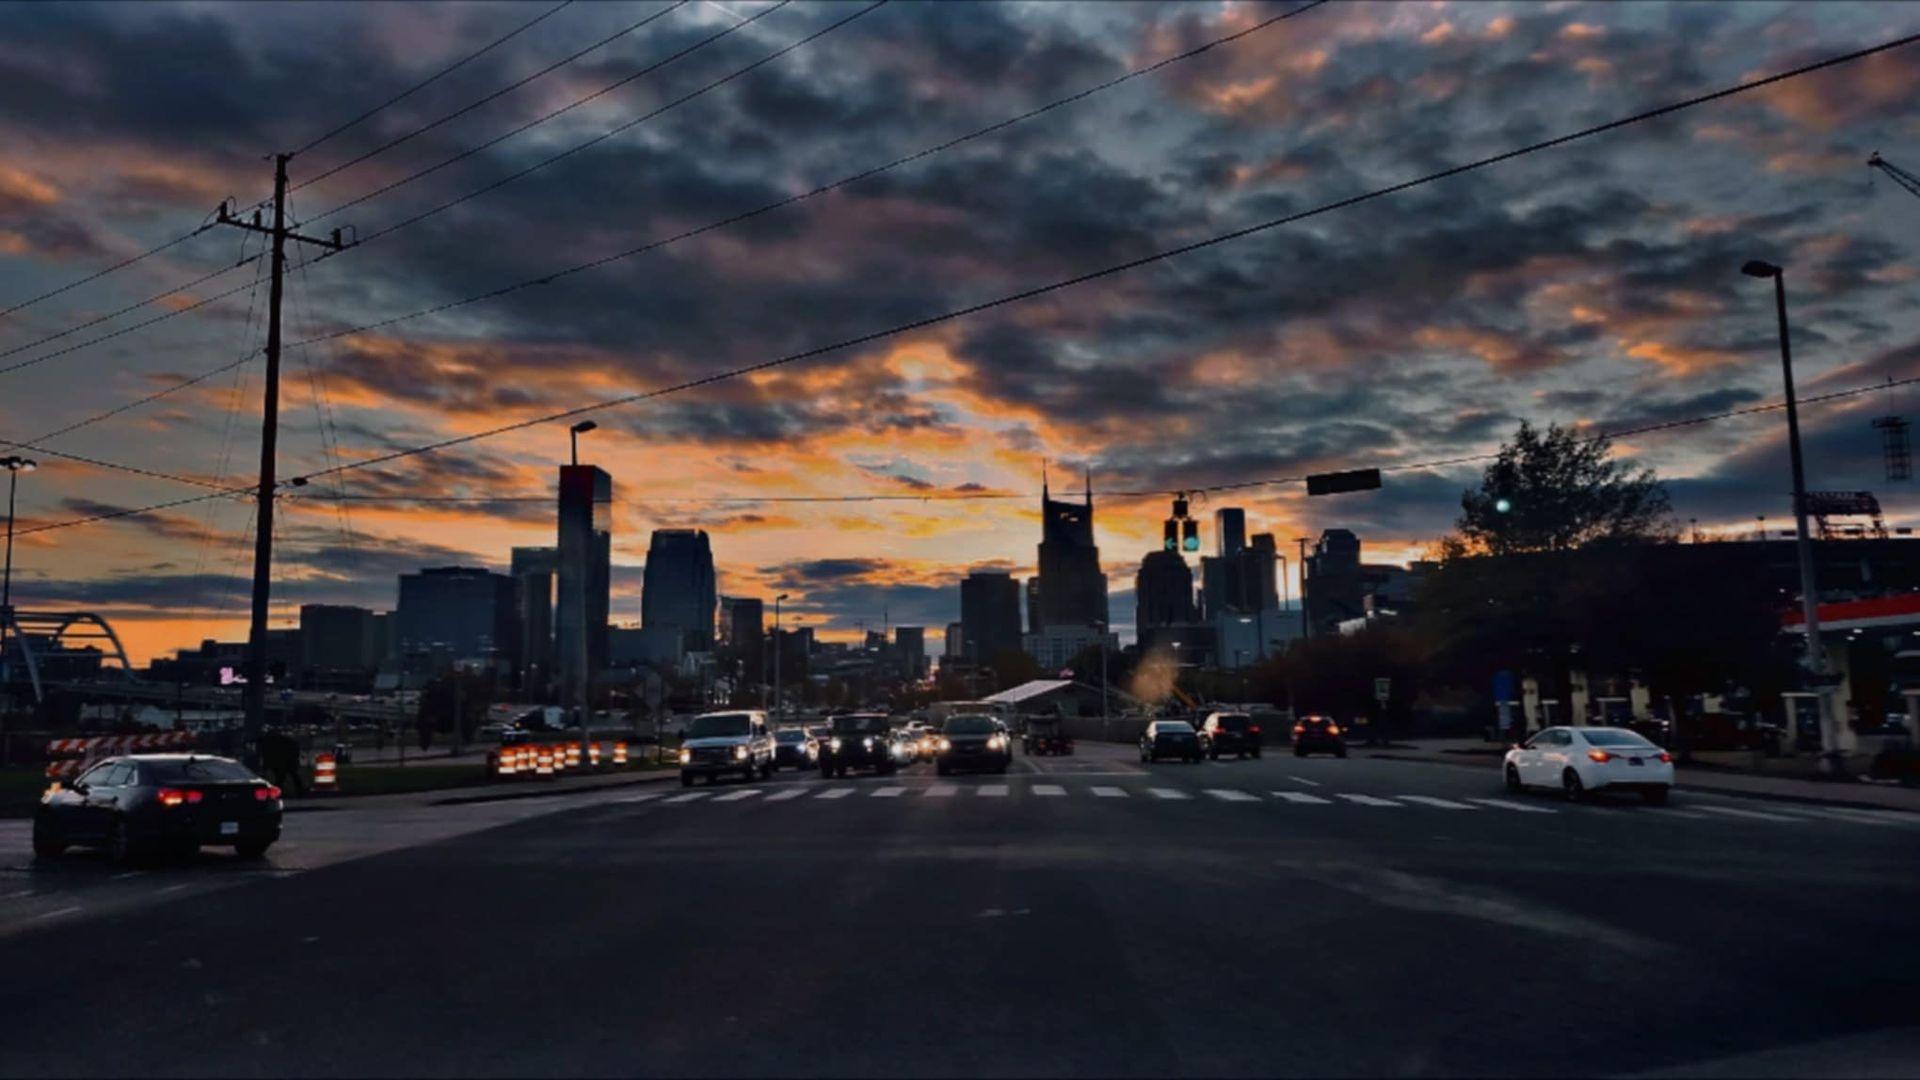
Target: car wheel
{"type": "Point", "coordinates": [1570, 782]}
{"type": "Point", "coordinates": [940, 769]}
{"type": "Point", "coordinates": [1655, 796]}
{"type": "Point", "coordinates": [1339, 751]}
{"type": "Point", "coordinates": [1256, 753]}
{"type": "Point", "coordinates": [251, 851]}
{"type": "Point", "coordinates": [1299, 751]}
{"type": "Point", "coordinates": [47, 841]}
{"type": "Point", "coordinates": [120, 842]}
{"type": "Point", "coordinates": [1213, 755]}
{"type": "Point", "coordinates": [686, 779]}
{"type": "Point", "coordinates": [1513, 780]}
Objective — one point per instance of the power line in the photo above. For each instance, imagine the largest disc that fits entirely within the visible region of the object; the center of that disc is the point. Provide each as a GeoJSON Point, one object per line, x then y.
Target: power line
{"type": "Point", "coordinates": [1131, 264]}
{"type": "Point", "coordinates": [823, 189]}
{"type": "Point", "coordinates": [436, 76]}
{"type": "Point", "coordinates": [674, 104]}
{"type": "Point", "coordinates": [569, 107]}
{"type": "Point", "coordinates": [111, 315]}
{"type": "Point", "coordinates": [131, 405]}
{"type": "Point", "coordinates": [465, 109]}
{"type": "Point", "coordinates": [98, 274]}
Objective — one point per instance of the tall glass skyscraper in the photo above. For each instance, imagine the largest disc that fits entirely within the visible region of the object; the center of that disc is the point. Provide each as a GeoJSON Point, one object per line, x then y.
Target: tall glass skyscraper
{"type": "Point", "coordinates": [586, 572]}
{"type": "Point", "coordinates": [679, 590]}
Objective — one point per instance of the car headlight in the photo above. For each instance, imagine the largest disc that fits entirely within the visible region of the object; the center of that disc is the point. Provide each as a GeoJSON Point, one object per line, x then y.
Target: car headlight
{"type": "Point", "coordinates": [996, 742]}
{"type": "Point", "coordinates": [834, 744]}
{"type": "Point", "coordinates": [739, 753]}
{"type": "Point", "coordinates": [867, 742]}
{"type": "Point", "coordinates": [686, 756]}
{"type": "Point", "coordinates": [946, 744]}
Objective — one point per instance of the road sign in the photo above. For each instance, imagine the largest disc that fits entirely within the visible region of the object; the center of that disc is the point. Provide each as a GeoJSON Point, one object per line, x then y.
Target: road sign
{"type": "Point", "coordinates": [1382, 690]}
{"type": "Point", "coordinates": [1336, 483]}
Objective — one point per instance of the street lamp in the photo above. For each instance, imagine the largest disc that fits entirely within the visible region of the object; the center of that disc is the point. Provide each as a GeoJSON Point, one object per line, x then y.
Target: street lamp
{"type": "Point", "coordinates": [1100, 625]}
{"type": "Point", "coordinates": [15, 465]}
{"type": "Point", "coordinates": [574, 433]}
{"type": "Point", "coordinates": [1830, 728]}
{"type": "Point", "coordinates": [778, 647]}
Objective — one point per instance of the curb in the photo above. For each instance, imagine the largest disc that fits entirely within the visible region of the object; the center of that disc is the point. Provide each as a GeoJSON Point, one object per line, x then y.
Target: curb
{"type": "Point", "coordinates": [652, 776]}
{"type": "Point", "coordinates": [1762, 796]}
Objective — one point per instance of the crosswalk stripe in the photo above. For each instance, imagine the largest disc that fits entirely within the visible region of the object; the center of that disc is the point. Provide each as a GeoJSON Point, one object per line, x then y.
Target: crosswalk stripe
{"type": "Point", "coordinates": [942, 790]}
{"type": "Point", "coordinates": [1230, 795]}
{"type": "Point", "coordinates": [1110, 792]}
{"type": "Point", "coordinates": [835, 793]}
{"type": "Point", "coordinates": [789, 793]}
{"type": "Point", "coordinates": [1444, 804]}
{"type": "Point", "coordinates": [889, 793]}
{"type": "Point", "coordinates": [1169, 793]}
{"type": "Point", "coordinates": [1368, 800]}
{"type": "Point", "coordinates": [1668, 811]}
{"type": "Point", "coordinates": [993, 790]}
{"type": "Point", "coordinates": [1508, 804]}
{"type": "Point", "coordinates": [1304, 780]}
{"type": "Point", "coordinates": [1756, 815]}
{"type": "Point", "coordinates": [1890, 817]}
{"type": "Point", "coordinates": [1851, 817]}
{"type": "Point", "coordinates": [639, 798]}
{"type": "Point", "coordinates": [736, 796]}
{"type": "Point", "coordinates": [1049, 789]}
{"type": "Point", "coordinates": [688, 797]}
{"type": "Point", "coordinates": [1300, 797]}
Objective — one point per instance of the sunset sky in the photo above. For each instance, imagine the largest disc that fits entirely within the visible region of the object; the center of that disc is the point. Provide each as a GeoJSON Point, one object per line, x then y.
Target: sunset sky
{"type": "Point", "coordinates": [1595, 285]}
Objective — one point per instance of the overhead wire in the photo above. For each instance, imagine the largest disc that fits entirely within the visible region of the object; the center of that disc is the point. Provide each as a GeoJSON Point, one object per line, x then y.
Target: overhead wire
{"type": "Point", "coordinates": [98, 274]}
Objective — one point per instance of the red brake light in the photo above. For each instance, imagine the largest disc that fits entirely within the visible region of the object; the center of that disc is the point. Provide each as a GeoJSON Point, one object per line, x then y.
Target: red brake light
{"type": "Point", "coordinates": [1298, 728]}
{"type": "Point", "coordinates": [266, 794]}
{"type": "Point", "coordinates": [1599, 755]}
{"type": "Point", "coordinates": [1333, 729]}
{"type": "Point", "coordinates": [176, 797]}
{"type": "Point", "coordinates": [1254, 730]}
{"type": "Point", "coordinates": [1664, 756]}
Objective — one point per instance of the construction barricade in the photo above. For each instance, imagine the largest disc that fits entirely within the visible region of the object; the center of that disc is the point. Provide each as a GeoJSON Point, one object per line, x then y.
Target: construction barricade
{"type": "Point", "coordinates": [620, 755]}
{"type": "Point", "coordinates": [573, 755]}
{"type": "Point", "coordinates": [326, 779]}
{"type": "Point", "coordinates": [593, 754]}
{"type": "Point", "coordinates": [69, 757]}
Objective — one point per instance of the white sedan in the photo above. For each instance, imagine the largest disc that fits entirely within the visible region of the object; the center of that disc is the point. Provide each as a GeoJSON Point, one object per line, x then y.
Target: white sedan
{"type": "Point", "coordinates": [1578, 760]}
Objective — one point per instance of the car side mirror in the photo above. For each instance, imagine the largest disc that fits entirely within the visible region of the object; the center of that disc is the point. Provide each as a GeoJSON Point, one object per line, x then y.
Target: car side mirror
{"type": "Point", "coordinates": [77, 788]}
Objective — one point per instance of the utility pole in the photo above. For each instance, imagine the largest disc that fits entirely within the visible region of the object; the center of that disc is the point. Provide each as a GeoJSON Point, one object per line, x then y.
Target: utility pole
{"type": "Point", "coordinates": [254, 693]}
{"type": "Point", "coordinates": [1306, 627]}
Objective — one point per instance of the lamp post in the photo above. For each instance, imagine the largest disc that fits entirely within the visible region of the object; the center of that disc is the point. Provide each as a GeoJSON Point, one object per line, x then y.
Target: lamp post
{"type": "Point", "coordinates": [1306, 626]}
{"type": "Point", "coordinates": [1816, 661]}
{"type": "Point", "coordinates": [15, 465]}
{"type": "Point", "coordinates": [779, 647]}
{"type": "Point", "coordinates": [583, 676]}
{"type": "Point", "coordinates": [1100, 625]}
{"type": "Point", "coordinates": [574, 433]}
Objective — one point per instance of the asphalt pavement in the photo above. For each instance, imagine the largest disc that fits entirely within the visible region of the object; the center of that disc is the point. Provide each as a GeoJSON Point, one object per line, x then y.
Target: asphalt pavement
{"type": "Point", "coordinates": [1078, 916]}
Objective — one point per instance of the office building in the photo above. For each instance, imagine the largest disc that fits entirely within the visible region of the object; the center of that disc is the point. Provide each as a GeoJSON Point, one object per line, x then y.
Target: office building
{"type": "Point", "coordinates": [1056, 646]}
{"type": "Point", "coordinates": [465, 613]}
{"type": "Point", "coordinates": [533, 570]}
{"type": "Point", "coordinates": [1033, 605]}
{"type": "Point", "coordinates": [585, 575]}
{"type": "Point", "coordinates": [1242, 577]}
{"type": "Point", "coordinates": [1163, 591]}
{"type": "Point", "coordinates": [336, 645]}
{"type": "Point", "coordinates": [1229, 531]}
{"type": "Point", "coordinates": [679, 590]}
{"type": "Point", "coordinates": [746, 637]}
{"type": "Point", "coordinates": [1331, 586]}
{"type": "Point", "coordinates": [989, 615]}
{"type": "Point", "coordinates": [955, 646]}
{"type": "Point", "coordinates": [1073, 588]}
{"type": "Point", "coordinates": [910, 645]}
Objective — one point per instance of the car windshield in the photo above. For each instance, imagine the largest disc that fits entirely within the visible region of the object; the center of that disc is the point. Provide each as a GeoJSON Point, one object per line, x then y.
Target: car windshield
{"type": "Point", "coordinates": [970, 725]}
{"type": "Point", "coordinates": [860, 725]}
{"type": "Point", "coordinates": [720, 725]}
{"type": "Point", "coordinates": [1616, 737]}
{"type": "Point", "coordinates": [787, 737]}
{"type": "Point", "coordinates": [192, 769]}
{"type": "Point", "coordinates": [1175, 729]}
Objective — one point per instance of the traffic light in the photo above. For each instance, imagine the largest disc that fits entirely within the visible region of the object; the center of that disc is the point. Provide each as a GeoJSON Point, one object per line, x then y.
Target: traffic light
{"type": "Point", "coordinates": [1190, 532]}
{"type": "Point", "coordinates": [1502, 505]}
{"type": "Point", "coordinates": [1171, 536]}
{"type": "Point", "coordinates": [1339, 482]}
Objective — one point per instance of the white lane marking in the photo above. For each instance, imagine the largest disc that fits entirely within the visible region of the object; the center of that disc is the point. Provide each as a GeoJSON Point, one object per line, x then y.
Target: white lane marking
{"type": "Point", "coordinates": [788, 793]}
{"type": "Point", "coordinates": [1304, 780]}
{"type": "Point", "coordinates": [176, 887]}
{"type": "Point", "coordinates": [1230, 795]}
{"type": "Point", "coordinates": [992, 790]}
{"type": "Point", "coordinates": [1890, 817]}
{"type": "Point", "coordinates": [1754, 815]}
{"type": "Point", "coordinates": [1508, 804]}
{"type": "Point", "coordinates": [1110, 792]}
{"type": "Point", "coordinates": [689, 797]}
{"type": "Point", "coordinates": [1668, 811]}
{"type": "Point", "coordinates": [56, 914]}
{"type": "Point", "coordinates": [1367, 800]}
{"type": "Point", "coordinates": [21, 893]}
{"type": "Point", "coordinates": [942, 791]}
{"type": "Point", "coordinates": [1429, 800]}
{"type": "Point", "coordinates": [125, 876]}
{"type": "Point", "coordinates": [1054, 790]}
{"type": "Point", "coordinates": [638, 798]}
{"type": "Point", "coordinates": [1850, 817]}
{"type": "Point", "coordinates": [835, 793]}
{"type": "Point", "coordinates": [736, 796]}
{"type": "Point", "coordinates": [1169, 793]}
{"type": "Point", "coordinates": [1300, 797]}
{"type": "Point", "coordinates": [889, 792]}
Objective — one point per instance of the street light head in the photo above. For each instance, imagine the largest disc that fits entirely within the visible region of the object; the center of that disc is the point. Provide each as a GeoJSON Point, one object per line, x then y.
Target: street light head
{"type": "Point", "coordinates": [19, 464]}
{"type": "Point", "coordinates": [1756, 268]}
{"type": "Point", "coordinates": [584, 426]}
{"type": "Point", "coordinates": [782, 596]}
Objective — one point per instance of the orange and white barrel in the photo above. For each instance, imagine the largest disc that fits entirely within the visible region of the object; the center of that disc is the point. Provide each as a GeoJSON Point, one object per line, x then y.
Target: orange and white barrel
{"type": "Point", "coordinates": [325, 777]}
{"type": "Point", "coordinates": [573, 755]}
{"type": "Point", "coordinates": [543, 761]}
{"type": "Point", "coordinates": [620, 754]}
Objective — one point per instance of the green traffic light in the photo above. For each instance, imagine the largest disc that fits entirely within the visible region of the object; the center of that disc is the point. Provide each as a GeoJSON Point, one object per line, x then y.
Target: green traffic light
{"type": "Point", "coordinates": [1502, 506]}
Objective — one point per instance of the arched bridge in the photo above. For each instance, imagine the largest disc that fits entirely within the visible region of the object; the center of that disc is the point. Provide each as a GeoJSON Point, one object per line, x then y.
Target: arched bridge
{"type": "Point", "coordinates": [48, 647]}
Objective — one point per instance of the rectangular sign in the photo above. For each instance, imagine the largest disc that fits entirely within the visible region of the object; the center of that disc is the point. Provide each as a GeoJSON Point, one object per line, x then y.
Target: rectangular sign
{"type": "Point", "coordinates": [1339, 482]}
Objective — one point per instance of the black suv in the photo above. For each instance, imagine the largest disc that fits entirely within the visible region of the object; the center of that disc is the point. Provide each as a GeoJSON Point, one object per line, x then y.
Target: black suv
{"type": "Point", "coordinates": [858, 741]}
{"type": "Point", "coordinates": [1230, 733]}
{"type": "Point", "coordinates": [1311, 733]}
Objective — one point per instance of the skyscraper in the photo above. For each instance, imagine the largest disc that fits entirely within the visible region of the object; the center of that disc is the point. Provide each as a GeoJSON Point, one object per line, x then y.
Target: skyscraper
{"type": "Point", "coordinates": [1242, 578]}
{"type": "Point", "coordinates": [910, 644]}
{"type": "Point", "coordinates": [747, 637]}
{"type": "Point", "coordinates": [1229, 530]}
{"type": "Point", "coordinates": [989, 615]}
{"type": "Point", "coordinates": [1073, 588]}
{"type": "Point", "coordinates": [1163, 591]}
{"type": "Point", "coordinates": [585, 570]}
{"type": "Point", "coordinates": [533, 570]}
{"type": "Point", "coordinates": [461, 611]}
{"type": "Point", "coordinates": [679, 590]}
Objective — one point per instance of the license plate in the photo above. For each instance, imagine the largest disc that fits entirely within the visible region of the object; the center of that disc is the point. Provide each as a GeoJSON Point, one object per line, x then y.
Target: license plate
{"type": "Point", "coordinates": [1633, 761]}
{"type": "Point", "coordinates": [229, 828]}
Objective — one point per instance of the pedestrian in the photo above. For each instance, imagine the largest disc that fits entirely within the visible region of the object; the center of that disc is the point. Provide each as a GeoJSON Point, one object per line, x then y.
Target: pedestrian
{"type": "Point", "coordinates": [280, 757]}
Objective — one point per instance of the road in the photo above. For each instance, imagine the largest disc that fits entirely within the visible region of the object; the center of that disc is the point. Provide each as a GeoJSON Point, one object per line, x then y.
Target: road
{"type": "Point", "coordinates": [1081, 915]}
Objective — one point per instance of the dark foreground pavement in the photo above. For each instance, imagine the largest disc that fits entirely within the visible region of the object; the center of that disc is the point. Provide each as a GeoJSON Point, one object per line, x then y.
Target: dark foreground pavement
{"type": "Point", "coordinates": [1230, 918]}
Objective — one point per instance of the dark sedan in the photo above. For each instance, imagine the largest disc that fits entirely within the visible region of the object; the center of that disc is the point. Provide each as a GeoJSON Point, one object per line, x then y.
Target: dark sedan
{"type": "Point", "coordinates": [1170, 739]}
{"type": "Point", "coordinates": [794, 749]}
{"type": "Point", "coordinates": [150, 804]}
{"type": "Point", "coordinates": [972, 741]}
{"type": "Point", "coordinates": [1318, 733]}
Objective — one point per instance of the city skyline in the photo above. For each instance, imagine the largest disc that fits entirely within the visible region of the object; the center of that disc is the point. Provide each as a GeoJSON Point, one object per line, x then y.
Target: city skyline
{"type": "Point", "coordinates": [1591, 290]}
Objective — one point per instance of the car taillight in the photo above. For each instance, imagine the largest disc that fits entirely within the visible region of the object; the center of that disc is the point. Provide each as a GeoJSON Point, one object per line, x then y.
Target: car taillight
{"type": "Point", "coordinates": [1255, 730]}
{"type": "Point", "coordinates": [1333, 729]}
{"type": "Point", "coordinates": [266, 794]}
{"type": "Point", "coordinates": [1666, 757]}
{"type": "Point", "coordinates": [176, 797]}
{"type": "Point", "coordinates": [1298, 728]}
{"type": "Point", "coordinates": [1600, 756]}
